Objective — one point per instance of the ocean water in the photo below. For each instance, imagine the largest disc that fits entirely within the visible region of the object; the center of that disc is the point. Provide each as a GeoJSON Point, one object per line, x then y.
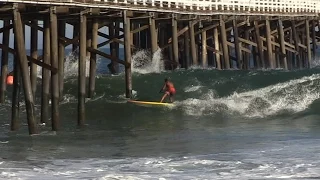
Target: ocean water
{"type": "Point", "coordinates": [227, 124]}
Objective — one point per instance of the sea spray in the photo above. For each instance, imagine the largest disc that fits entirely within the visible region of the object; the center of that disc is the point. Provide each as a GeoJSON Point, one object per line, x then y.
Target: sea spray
{"type": "Point", "coordinates": [71, 65]}
{"type": "Point", "coordinates": [143, 62]}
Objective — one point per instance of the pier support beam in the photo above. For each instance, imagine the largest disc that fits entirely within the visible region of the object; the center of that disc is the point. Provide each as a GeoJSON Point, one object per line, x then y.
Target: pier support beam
{"type": "Point", "coordinates": [237, 45]}
{"type": "Point", "coordinates": [269, 45]}
{"type": "Point", "coordinates": [259, 45]}
{"type": "Point", "coordinates": [113, 66]}
{"type": "Point", "coordinates": [62, 30]}
{"type": "Point", "coordinates": [34, 54]}
{"type": "Point", "coordinates": [175, 47]}
{"type": "Point", "coordinates": [193, 44]}
{"type": "Point", "coordinates": [283, 56]}
{"type": "Point", "coordinates": [93, 58]}
{"type": "Point", "coordinates": [246, 55]}
{"type": "Point", "coordinates": [127, 48]}
{"type": "Point", "coordinates": [153, 34]}
{"type": "Point", "coordinates": [204, 49]}
{"type": "Point", "coordinates": [54, 75]}
{"type": "Point", "coordinates": [186, 50]}
{"type": "Point", "coordinates": [217, 47]}
{"type": "Point", "coordinates": [308, 43]}
{"type": "Point", "coordinates": [225, 49]}
{"type": "Point", "coordinates": [45, 73]}
{"type": "Point", "coordinates": [18, 31]}
{"type": "Point", "coordinates": [4, 61]}
{"type": "Point", "coordinates": [82, 69]}
{"type": "Point", "coordinates": [314, 40]}
{"type": "Point", "coordinates": [296, 43]}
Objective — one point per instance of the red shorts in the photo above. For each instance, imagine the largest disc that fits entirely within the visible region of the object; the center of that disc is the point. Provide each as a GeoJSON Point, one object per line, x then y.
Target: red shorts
{"type": "Point", "coordinates": [171, 91]}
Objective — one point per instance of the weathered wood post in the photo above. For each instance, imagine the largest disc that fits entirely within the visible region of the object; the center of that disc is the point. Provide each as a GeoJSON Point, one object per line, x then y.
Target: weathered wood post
{"type": "Point", "coordinates": [246, 55]}
{"type": "Point", "coordinates": [153, 33]}
{"type": "Point", "coordinates": [289, 53]}
{"type": "Point", "coordinates": [55, 64]}
{"type": "Point", "coordinates": [296, 43]}
{"type": "Point", "coordinates": [204, 48]}
{"type": "Point", "coordinates": [308, 43]}
{"type": "Point", "coordinates": [269, 45]}
{"type": "Point", "coordinates": [93, 58]}
{"type": "Point", "coordinates": [114, 65]}
{"type": "Point", "coordinates": [127, 47]}
{"type": "Point", "coordinates": [175, 48]}
{"type": "Point", "coordinates": [4, 60]}
{"type": "Point", "coordinates": [314, 40]}
{"type": "Point", "coordinates": [283, 55]}
{"type": "Point", "coordinates": [82, 69]}
{"type": "Point", "coordinates": [217, 47]}
{"type": "Point", "coordinates": [259, 45]}
{"type": "Point", "coordinates": [225, 49]}
{"type": "Point", "coordinates": [193, 44]}
{"type": "Point", "coordinates": [116, 45]}
{"type": "Point", "coordinates": [34, 55]}
{"type": "Point", "coordinates": [45, 72]}
{"type": "Point", "coordinates": [18, 31]}
{"type": "Point", "coordinates": [61, 52]}
{"type": "Point", "coordinates": [237, 44]}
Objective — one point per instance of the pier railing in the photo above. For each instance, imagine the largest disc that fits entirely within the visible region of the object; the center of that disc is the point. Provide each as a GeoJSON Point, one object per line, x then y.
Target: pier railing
{"type": "Point", "coordinates": [204, 7]}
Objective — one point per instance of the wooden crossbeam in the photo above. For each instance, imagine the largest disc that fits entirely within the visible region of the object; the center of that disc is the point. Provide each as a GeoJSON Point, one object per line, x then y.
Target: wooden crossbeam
{"type": "Point", "coordinates": [35, 61]}
{"type": "Point", "coordinates": [140, 29]}
{"type": "Point", "coordinates": [112, 58]}
{"type": "Point", "coordinates": [66, 41]}
{"type": "Point", "coordinates": [214, 50]}
{"type": "Point", "coordinates": [117, 39]}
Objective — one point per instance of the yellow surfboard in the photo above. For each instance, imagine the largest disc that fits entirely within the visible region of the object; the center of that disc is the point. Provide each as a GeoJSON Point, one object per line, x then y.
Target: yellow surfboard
{"type": "Point", "coordinates": [149, 103]}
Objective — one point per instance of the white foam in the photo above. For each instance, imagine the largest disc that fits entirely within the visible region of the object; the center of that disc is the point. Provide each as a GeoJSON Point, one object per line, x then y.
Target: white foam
{"type": "Point", "coordinates": [71, 65]}
{"type": "Point", "coordinates": [295, 95]}
{"type": "Point", "coordinates": [241, 166]}
{"type": "Point", "coordinates": [143, 62]}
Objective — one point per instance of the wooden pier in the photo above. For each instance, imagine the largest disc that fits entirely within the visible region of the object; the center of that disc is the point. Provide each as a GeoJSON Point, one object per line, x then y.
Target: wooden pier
{"type": "Point", "coordinates": [256, 34]}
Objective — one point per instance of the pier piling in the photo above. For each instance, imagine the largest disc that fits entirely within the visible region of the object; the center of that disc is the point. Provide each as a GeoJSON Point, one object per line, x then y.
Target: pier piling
{"type": "Point", "coordinates": [4, 60]}
{"type": "Point", "coordinates": [82, 69]}
{"type": "Point", "coordinates": [22, 56]}
{"type": "Point", "coordinates": [61, 56]}
{"type": "Point", "coordinates": [193, 44]}
{"type": "Point", "coordinates": [224, 44]}
{"type": "Point", "coordinates": [217, 47]}
{"type": "Point", "coordinates": [283, 55]}
{"type": "Point", "coordinates": [55, 64]}
{"type": "Point", "coordinates": [45, 96]}
{"type": "Point", "coordinates": [127, 47]}
{"type": "Point", "coordinates": [307, 39]}
{"type": "Point", "coordinates": [93, 58]}
{"type": "Point", "coordinates": [34, 55]}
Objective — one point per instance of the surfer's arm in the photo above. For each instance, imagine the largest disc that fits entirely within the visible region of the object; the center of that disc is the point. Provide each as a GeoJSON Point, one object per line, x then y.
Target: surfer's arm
{"type": "Point", "coordinates": [162, 89]}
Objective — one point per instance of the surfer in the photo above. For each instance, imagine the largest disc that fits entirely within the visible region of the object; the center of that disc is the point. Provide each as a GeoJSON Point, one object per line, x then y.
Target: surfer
{"type": "Point", "coordinates": [169, 90]}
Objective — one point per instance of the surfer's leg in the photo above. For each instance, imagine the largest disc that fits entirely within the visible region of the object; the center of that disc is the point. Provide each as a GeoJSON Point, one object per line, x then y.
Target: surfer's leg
{"type": "Point", "coordinates": [164, 96]}
{"type": "Point", "coordinates": [171, 97]}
